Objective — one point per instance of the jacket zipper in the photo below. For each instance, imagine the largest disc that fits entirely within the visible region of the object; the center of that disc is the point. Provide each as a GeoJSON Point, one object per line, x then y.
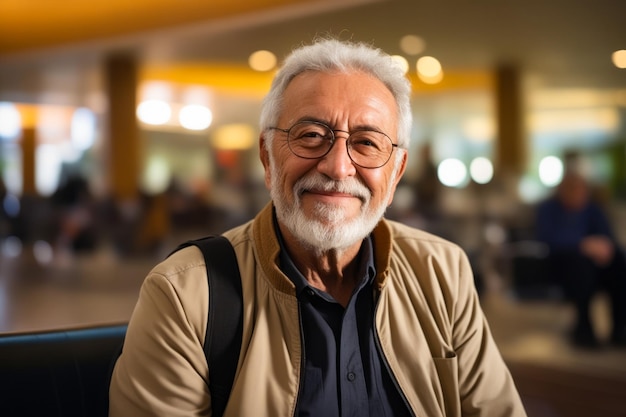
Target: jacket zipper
{"type": "Point", "coordinates": [384, 358]}
{"type": "Point", "coordinates": [302, 362]}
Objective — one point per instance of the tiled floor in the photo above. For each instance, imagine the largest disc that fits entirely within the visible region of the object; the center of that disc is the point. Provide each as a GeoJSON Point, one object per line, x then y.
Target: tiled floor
{"type": "Point", "coordinates": [94, 289]}
{"type": "Point", "coordinates": [103, 289]}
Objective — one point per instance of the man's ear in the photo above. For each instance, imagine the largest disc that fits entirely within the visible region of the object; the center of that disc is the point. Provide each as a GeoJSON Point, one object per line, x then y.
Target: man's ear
{"type": "Point", "coordinates": [399, 175]}
{"type": "Point", "coordinates": [265, 160]}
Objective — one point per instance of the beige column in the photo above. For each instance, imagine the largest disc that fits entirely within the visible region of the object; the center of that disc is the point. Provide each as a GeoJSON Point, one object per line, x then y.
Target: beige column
{"type": "Point", "coordinates": [126, 153]}
{"type": "Point", "coordinates": [29, 145]}
{"type": "Point", "coordinates": [124, 150]}
{"type": "Point", "coordinates": [511, 148]}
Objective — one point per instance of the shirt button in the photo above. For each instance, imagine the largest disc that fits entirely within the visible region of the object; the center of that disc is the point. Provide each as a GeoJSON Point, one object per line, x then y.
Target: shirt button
{"type": "Point", "coordinates": [351, 376]}
{"type": "Point", "coordinates": [311, 292]}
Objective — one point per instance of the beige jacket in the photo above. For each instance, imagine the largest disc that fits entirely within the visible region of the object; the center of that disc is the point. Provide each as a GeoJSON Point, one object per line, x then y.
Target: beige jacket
{"type": "Point", "coordinates": [431, 328]}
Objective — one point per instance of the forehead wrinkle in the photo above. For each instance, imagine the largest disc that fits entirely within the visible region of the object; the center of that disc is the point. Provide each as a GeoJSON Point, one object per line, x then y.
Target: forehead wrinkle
{"type": "Point", "coordinates": [359, 112]}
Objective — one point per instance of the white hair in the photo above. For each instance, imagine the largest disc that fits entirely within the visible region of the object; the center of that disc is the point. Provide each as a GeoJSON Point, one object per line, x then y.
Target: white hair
{"type": "Point", "coordinates": [329, 55]}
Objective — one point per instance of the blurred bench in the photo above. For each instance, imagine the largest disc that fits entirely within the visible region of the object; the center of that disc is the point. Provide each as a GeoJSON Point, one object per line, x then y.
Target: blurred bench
{"type": "Point", "coordinates": [61, 373]}
{"type": "Point", "coordinates": [553, 390]}
{"type": "Point", "coordinates": [530, 272]}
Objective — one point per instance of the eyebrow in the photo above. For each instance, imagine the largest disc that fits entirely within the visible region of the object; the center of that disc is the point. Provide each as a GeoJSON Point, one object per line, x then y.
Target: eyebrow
{"type": "Point", "coordinates": [327, 123]}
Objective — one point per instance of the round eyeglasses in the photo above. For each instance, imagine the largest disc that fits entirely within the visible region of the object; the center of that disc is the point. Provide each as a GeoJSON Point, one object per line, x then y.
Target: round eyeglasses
{"type": "Point", "coordinates": [313, 140]}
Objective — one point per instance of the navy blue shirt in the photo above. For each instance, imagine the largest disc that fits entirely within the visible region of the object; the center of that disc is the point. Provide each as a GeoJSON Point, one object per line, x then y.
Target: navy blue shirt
{"type": "Point", "coordinates": [563, 229]}
{"type": "Point", "coordinates": [344, 373]}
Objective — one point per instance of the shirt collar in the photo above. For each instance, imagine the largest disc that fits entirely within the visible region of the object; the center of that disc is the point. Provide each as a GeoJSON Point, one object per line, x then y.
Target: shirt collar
{"type": "Point", "coordinates": [367, 270]}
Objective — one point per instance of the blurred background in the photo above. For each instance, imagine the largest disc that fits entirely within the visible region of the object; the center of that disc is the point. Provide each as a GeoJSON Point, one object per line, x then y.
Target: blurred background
{"type": "Point", "coordinates": [128, 127]}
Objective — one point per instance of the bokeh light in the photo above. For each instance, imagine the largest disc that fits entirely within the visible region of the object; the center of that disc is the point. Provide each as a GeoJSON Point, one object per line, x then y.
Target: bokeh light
{"type": "Point", "coordinates": [619, 58]}
{"type": "Point", "coordinates": [550, 171]}
{"type": "Point", "coordinates": [195, 117]}
{"type": "Point", "coordinates": [452, 172]}
{"type": "Point", "coordinates": [531, 190]}
{"type": "Point", "coordinates": [11, 205]}
{"type": "Point", "coordinates": [157, 175]}
{"type": "Point", "coordinates": [11, 121]}
{"type": "Point", "coordinates": [428, 66]}
{"type": "Point", "coordinates": [262, 61]}
{"type": "Point", "coordinates": [49, 164]}
{"type": "Point", "coordinates": [481, 170]}
{"type": "Point", "coordinates": [12, 247]}
{"type": "Point", "coordinates": [412, 44]}
{"type": "Point", "coordinates": [429, 70]}
{"type": "Point", "coordinates": [83, 129]}
{"type": "Point", "coordinates": [154, 112]}
{"type": "Point", "coordinates": [43, 253]}
{"type": "Point", "coordinates": [401, 62]}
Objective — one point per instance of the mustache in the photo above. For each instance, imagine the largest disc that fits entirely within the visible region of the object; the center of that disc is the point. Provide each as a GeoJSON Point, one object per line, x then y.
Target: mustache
{"type": "Point", "coordinates": [318, 181]}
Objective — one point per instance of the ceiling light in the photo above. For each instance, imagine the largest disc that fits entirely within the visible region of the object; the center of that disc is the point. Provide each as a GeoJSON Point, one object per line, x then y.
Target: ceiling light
{"type": "Point", "coordinates": [550, 171]}
{"type": "Point", "coordinates": [619, 58]}
{"type": "Point", "coordinates": [195, 117]}
{"type": "Point", "coordinates": [83, 128]}
{"type": "Point", "coordinates": [262, 60]}
{"type": "Point", "coordinates": [481, 170]}
{"type": "Point", "coordinates": [429, 70]}
{"type": "Point", "coordinates": [401, 62]}
{"type": "Point", "coordinates": [154, 112]}
{"type": "Point", "coordinates": [11, 125]}
{"type": "Point", "coordinates": [452, 172]}
{"type": "Point", "coordinates": [428, 66]}
{"type": "Point", "coordinates": [412, 44]}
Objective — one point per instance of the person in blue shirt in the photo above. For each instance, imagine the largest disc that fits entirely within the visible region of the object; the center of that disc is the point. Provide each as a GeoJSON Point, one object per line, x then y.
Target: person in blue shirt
{"type": "Point", "coordinates": [584, 255]}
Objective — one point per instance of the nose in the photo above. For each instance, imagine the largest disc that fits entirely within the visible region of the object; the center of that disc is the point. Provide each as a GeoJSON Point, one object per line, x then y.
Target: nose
{"type": "Point", "coordinates": [337, 163]}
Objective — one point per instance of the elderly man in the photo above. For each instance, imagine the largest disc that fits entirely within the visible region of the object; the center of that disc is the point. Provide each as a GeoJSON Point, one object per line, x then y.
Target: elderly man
{"type": "Point", "coordinates": [345, 313]}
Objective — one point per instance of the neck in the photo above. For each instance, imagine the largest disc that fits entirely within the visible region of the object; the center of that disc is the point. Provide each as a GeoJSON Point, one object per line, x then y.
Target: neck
{"type": "Point", "coordinates": [332, 271]}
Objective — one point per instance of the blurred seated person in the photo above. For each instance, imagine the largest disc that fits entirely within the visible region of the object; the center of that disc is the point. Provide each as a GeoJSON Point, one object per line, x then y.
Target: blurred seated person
{"type": "Point", "coordinates": [75, 207]}
{"type": "Point", "coordinates": [584, 255]}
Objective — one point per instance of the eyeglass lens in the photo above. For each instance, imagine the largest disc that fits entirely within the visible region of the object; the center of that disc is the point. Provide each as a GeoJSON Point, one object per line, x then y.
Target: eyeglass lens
{"type": "Point", "coordinates": [366, 148]}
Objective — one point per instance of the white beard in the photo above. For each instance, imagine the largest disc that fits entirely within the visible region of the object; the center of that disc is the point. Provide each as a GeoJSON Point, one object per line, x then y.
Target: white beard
{"type": "Point", "coordinates": [329, 228]}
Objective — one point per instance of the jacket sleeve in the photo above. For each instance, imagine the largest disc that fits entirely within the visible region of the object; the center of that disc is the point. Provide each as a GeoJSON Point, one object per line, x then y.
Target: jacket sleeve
{"type": "Point", "coordinates": [162, 370]}
{"type": "Point", "coordinates": [485, 385]}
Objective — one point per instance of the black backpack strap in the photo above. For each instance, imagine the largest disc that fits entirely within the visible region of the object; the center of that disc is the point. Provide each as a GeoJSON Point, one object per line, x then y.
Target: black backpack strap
{"type": "Point", "coordinates": [222, 342]}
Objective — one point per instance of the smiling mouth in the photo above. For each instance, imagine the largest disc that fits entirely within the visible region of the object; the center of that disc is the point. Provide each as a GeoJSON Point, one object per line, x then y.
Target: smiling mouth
{"type": "Point", "coordinates": [331, 194]}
